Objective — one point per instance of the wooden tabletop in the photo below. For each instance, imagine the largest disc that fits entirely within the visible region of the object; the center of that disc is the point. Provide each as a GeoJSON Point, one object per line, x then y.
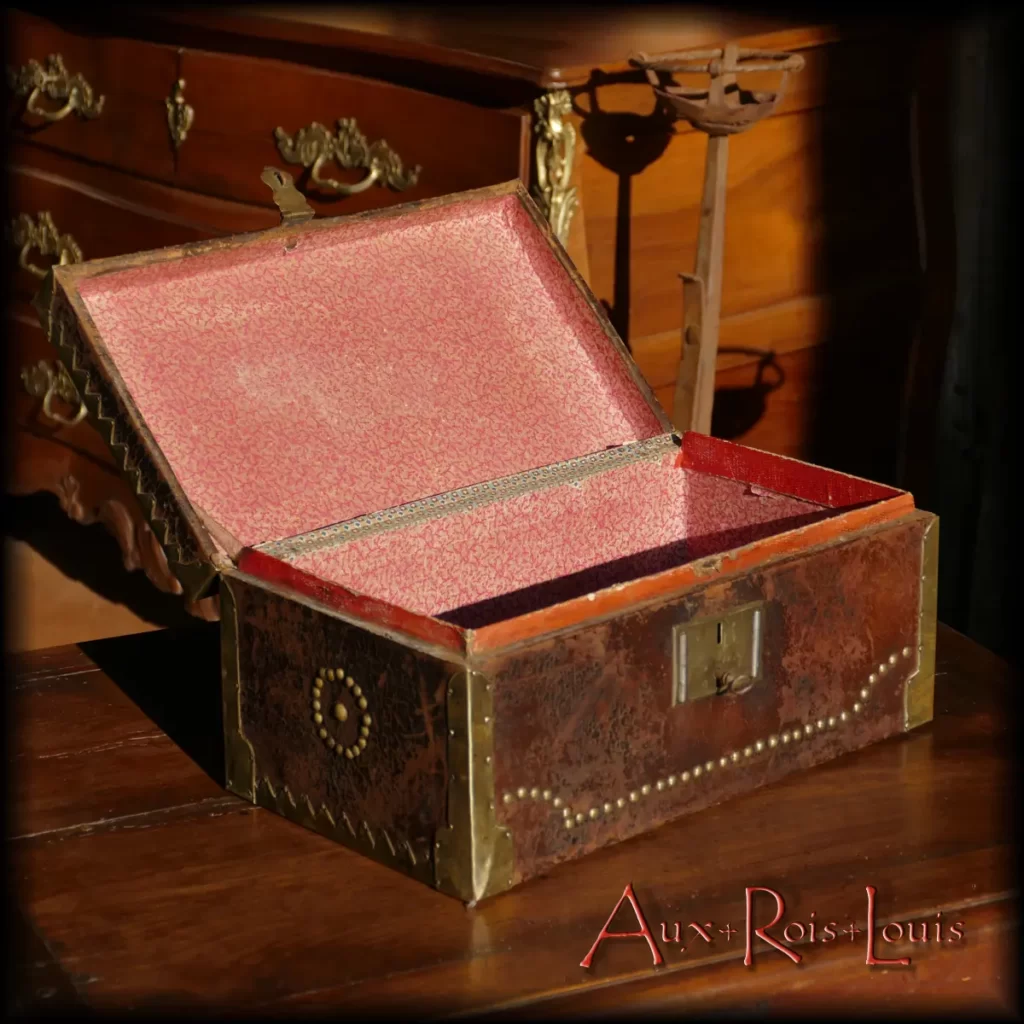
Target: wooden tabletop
{"type": "Point", "coordinates": [141, 883]}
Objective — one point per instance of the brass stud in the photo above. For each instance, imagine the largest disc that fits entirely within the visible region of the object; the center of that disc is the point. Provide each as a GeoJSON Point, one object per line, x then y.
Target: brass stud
{"type": "Point", "coordinates": [759, 746]}
{"type": "Point", "coordinates": [797, 735]}
{"type": "Point", "coordinates": [323, 671]}
{"type": "Point", "coordinates": [340, 712]}
{"type": "Point", "coordinates": [339, 750]}
{"type": "Point", "coordinates": [521, 792]}
{"type": "Point", "coordinates": [883, 668]}
{"type": "Point", "coordinates": [634, 796]}
{"type": "Point", "coordinates": [785, 736]}
{"type": "Point", "coordinates": [856, 708]}
{"type": "Point", "coordinates": [808, 729]}
{"type": "Point", "coordinates": [361, 742]}
{"type": "Point", "coordinates": [865, 693]}
{"type": "Point", "coordinates": [892, 659]}
{"type": "Point", "coordinates": [331, 742]}
{"type": "Point", "coordinates": [557, 801]}
{"type": "Point", "coordinates": [906, 652]}
{"type": "Point", "coordinates": [709, 766]}
{"type": "Point", "coordinates": [748, 751]}
{"type": "Point", "coordinates": [546, 794]}
{"type": "Point", "coordinates": [534, 794]}
{"type": "Point", "coordinates": [821, 724]}
{"type": "Point", "coordinates": [316, 705]}
{"type": "Point", "coordinates": [367, 720]}
{"type": "Point", "coordinates": [659, 785]}
{"type": "Point", "coordinates": [672, 780]}
{"type": "Point", "coordinates": [773, 741]}
{"type": "Point", "coordinates": [621, 802]}
{"type": "Point", "coordinates": [350, 682]}
{"type": "Point", "coordinates": [362, 703]}
{"type": "Point", "coordinates": [330, 675]}
{"type": "Point", "coordinates": [323, 734]}
{"type": "Point", "coordinates": [507, 798]}
{"type": "Point", "coordinates": [832, 722]}
{"type": "Point", "coordinates": [567, 812]}
{"type": "Point", "coordinates": [723, 762]}
{"type": "Point", "coordinates": [608, 808]}
{"type": "Point", "coordinates": [317, 684]}
{"type": "Point", "coordinates": [357, 691]}
{"type": "Point", "coordinates": [594, 813]}
{"type": "Point", "coordinates": [318, 718]}
{"type": "Point", "coordinates": [645, 789]}
{"type": "Point", "coordinates": [697, 771]}
{"type": "Point", "coordinates": [685, 776]}
{"type": "Point", "coordinates": [873, 678]}
{"type": "Point", "coordinates": [365, 730]}
{"type": "Point", "coordinates": [341, 674]}
{"type": "Point", "coordinates": [580, 818]}
{"type": "Point", "coordinates": [735, 756]}
{"type": "Point", "coordinates": [843, 716]}
{"type": "Point", "coordinates": [568, 822]}
{"type": "Point", "coordinates": [348, 753]}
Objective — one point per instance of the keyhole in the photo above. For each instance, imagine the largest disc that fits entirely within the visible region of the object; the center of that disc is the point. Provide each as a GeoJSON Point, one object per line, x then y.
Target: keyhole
{"type": "Point", "coordinates": [719, 633]}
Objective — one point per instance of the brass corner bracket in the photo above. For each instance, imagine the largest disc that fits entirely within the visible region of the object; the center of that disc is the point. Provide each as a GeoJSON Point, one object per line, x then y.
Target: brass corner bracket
{"type": "Point", "coordinates": [473, 856]}
{"type": "Point", "coordinates": [919, 694]}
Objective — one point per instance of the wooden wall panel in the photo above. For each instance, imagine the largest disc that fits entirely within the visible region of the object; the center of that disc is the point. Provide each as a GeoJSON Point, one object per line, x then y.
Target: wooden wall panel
{"type": "Point", "coordinates": [821, 239]}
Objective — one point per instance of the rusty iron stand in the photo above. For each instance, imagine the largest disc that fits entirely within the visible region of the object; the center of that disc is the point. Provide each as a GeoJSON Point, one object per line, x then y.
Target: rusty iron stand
{"type": "Point", "coordinates": [721, 110]}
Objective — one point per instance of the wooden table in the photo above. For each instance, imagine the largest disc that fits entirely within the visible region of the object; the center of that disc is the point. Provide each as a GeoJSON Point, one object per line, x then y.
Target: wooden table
{"type": "Point", "coordinates": [142, 884]}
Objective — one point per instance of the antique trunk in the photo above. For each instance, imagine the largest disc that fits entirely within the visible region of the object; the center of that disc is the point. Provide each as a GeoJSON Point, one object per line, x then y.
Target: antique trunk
{"type": "Point", "coordinates": [473, 629]}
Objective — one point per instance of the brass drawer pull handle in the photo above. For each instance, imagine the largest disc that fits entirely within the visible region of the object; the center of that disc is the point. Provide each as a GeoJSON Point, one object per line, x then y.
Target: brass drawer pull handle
{"type": "Point", "coordinates": [50, 381]}
{"type": "Point", "coordinates": [42, 234]}
{"type": "Point", "coordinates": [35, 81]}
{"type": "Point", "coordinates": [314, 146]}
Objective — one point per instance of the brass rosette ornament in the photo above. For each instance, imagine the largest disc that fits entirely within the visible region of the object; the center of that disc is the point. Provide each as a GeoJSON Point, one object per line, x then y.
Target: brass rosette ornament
{"type": "Point", "coordinates": [341, 715]}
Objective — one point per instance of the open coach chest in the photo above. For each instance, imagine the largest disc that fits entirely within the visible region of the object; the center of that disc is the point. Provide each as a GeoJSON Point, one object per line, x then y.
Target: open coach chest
{"type": "Point", "coordinates": [482, 610]}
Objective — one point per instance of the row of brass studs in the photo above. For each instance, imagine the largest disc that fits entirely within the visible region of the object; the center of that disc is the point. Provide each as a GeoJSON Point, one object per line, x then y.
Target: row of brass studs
{"type": "Point", "coordinates": [340, 712]}
{"type": "Point", "coordinates": [787, 736]}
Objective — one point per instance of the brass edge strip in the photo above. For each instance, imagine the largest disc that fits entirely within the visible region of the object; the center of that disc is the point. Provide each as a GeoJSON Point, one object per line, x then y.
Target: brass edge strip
{"type": "Point", "coordinates": [474, 496]}
{"type": "Point", "coordinates": [239, 758]}
{"type": "Point", "coordinates": [411, 857]}
{"type": "Point", "coordinates": [473, 855]}
{"type": "Point", "coordinates": [919, 694]}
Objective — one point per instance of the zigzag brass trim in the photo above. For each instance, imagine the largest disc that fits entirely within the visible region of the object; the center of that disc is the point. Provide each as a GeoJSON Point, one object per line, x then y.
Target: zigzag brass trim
{"type": "Point", "coordinates": [109, 418]}
{"type": "Point", "coordinates": [473, 855]}
{"type": "Point", "coordinates": [919, 694]}
{"type": "Point", "coordinates": [465, 498]}
{"type": "Point", "coordinates": [379, 845]}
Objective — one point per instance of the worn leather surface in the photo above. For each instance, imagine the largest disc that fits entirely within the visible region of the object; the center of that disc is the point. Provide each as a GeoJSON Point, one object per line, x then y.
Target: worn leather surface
{"type": "Point", "coordinates": [590, 716]}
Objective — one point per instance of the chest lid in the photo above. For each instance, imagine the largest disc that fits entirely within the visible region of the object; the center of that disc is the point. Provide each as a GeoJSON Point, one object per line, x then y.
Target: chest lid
{"type": "Point", "coordinates": [262, 386]}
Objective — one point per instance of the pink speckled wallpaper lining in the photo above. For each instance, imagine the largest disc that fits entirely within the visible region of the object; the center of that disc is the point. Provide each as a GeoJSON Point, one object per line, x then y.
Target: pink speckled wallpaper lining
{"type": "Point", "coordinates": [369, 365]}
{"type": "Point", "coordinates": [554, 544]}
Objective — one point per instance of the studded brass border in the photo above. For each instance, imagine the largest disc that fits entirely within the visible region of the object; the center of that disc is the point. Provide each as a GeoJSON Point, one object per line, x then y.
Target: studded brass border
{"type": "Point", "coordinates": [473, 855]}
{"type": "Point", "coordinates": [919, 695]}
{"type": "Point", "coordinates": [794, 734]}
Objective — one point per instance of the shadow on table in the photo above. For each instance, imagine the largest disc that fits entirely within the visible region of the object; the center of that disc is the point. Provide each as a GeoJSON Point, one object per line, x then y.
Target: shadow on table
{"type": "Point", "coordinates": [173, 675]}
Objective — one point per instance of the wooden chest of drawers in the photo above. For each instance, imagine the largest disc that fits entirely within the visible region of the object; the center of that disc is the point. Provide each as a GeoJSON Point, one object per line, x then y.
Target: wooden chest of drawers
{"type": "Point", "coordinates": [135, 131]}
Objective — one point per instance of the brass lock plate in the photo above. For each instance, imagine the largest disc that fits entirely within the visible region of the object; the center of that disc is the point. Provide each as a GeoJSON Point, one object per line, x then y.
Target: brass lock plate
{"type": "Point", "coordinates": [717, 654]}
